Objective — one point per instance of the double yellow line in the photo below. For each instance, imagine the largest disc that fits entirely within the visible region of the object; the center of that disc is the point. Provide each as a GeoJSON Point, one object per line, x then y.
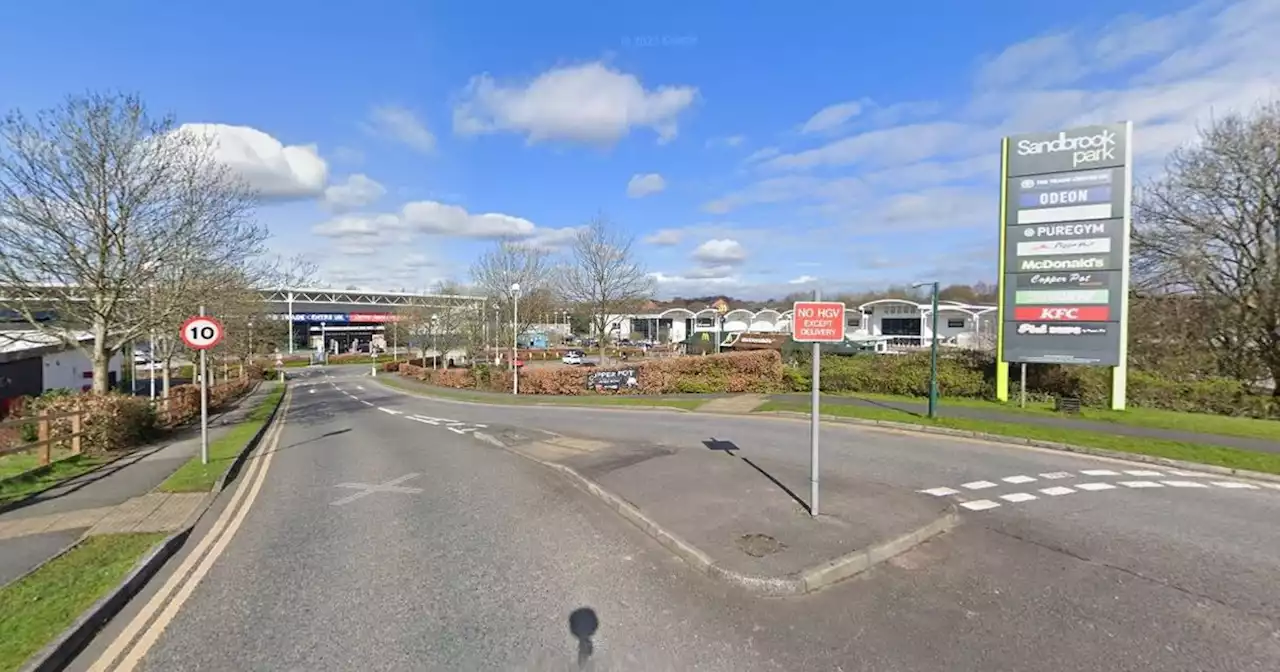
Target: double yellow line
{"type": "Point", "coordinates": [132, 644]}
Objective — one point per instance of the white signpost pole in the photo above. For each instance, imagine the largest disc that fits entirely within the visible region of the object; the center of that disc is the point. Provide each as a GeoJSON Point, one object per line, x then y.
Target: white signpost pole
{"type": "Point", "coordinates": [814, 415]}
{"type": "Point", "coordinates": [204, 403]}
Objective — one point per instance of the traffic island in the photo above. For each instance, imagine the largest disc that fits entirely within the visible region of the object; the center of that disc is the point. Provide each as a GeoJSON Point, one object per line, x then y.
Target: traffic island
{"type": "Point", "coordinates": [743, 519]}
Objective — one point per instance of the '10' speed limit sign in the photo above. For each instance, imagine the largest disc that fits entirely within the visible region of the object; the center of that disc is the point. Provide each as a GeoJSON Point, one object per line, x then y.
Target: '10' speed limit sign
{"type": "Point", "coordinates": [202, 332]}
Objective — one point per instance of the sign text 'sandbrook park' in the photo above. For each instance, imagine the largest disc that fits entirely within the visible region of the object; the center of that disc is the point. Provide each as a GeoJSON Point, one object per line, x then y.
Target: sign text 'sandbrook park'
{"type": "Point", "coordinates": [817, 321]}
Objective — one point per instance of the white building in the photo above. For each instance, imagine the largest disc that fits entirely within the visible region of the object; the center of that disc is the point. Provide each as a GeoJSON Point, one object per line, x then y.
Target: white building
{"type": "Point", "coordinates": [900, 322]}
{"type": "Point", "coordinates": [32, 363]}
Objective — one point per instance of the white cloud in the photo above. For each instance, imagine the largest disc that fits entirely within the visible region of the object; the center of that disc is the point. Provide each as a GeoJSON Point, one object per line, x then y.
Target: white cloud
{"type": "Point", "coordinates": [720, 251]}
{"type": "Point", "coordinates": [936, 170]}
{"type": "Point", "coordinates": [665, 237]}
{"type": "Point", "coordinates": [273, 169]}
{"type": "Point", "coordinates": [727, 141]}
{"type": "Point", "coordinates": [401, 124]}
{"type": "Point", "coordinates": [590, 103]}
{"type": "Point", "coordinates": [762, 154]}
{"type": "Point", "coordinates": [643, 185]}
{"type": "Point", "coordinates": [431, 217]}
{"type": "Point", "coordinates": [802, 280]}
{"type": "Point", "coordinates": [356, 192]}
{"type": "Point", "coordinates": [832, 117]}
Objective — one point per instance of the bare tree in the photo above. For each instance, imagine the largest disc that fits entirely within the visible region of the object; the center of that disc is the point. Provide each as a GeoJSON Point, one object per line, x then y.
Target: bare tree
{"type": "Point", "coordinates": [1210, 227]}
{"type": "Point", "coordinates": [602, 275]}
{"type": "Point", "coordinates": [508, 263]}
{"type": "Point", "coordinates": [98, 201]}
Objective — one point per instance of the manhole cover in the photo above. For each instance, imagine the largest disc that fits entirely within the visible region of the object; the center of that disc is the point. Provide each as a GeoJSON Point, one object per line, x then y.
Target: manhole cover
{"type": "Point", "coordinates": [759, 545]}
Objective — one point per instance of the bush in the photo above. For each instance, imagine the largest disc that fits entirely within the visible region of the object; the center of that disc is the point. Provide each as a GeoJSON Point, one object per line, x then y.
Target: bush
{"type": "Point", "coordinates": [109, 422]}
{"type": "Point", "coordinates": [960, 374]}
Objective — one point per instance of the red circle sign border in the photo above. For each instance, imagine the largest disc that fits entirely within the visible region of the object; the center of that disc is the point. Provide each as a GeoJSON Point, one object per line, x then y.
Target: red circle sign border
{"type": "Point", "coordinates": [222, 332]}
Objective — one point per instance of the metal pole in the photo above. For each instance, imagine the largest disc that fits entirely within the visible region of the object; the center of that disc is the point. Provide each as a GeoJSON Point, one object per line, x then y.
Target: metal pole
{"type": "Point", "coordinates": [933, 359]}
{"type": "Point", "coordinates": [133, 379]}
{"type": "Point", "coordinates": [324, 344]}
{"type": "Point", "coordinates": [1022, 395]}
{"type": "Point", "coordinates": [151, 363]}
{"type": "Point", "coordinates": [204, 404]}
{"type": "Point", "coordinates": [814, 415]}
{"type": "Point", "coordinates": [515, 344]}
{"type": "Point", "coordinates": [289, 297]}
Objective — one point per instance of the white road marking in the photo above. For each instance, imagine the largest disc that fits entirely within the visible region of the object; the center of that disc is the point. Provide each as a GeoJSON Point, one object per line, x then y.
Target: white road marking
{"type": "Point", "coordinates": [462, 430]}
{"type": "Point", "coordinates": [1140, 472]}
{"type": "Point", "coordinates": [1018, 479]}
{"type": "Point", "coordinates": [392, 411]}
{"type": "Point", "coordinates": [978, 485]}
{"type": "Point", "coordinates": [1185, 473]}
{"type": "Point", "coordinates": [367, 489]}
{"type": "Point", "coordinates": [1095, 486]}
{"type": "Point", "coordinates": [1018, 497]}
{"type": "Point", "coordinates": [980, 505]}
{"type": "Point", "coordinates": [1184, 484]}
{"type": "Point", "coordinates": [425, 421]}
{"type": "Point", "coordinates": [360, 387]}
{"type": "Point", "coordinates": [1141, 484]}
{"type": "Point", "coordinates": [1099, 472]}
{"type": "Point", "coordinates": [1057, 491]}
{"type": "Point", "coordinates": [311, 391]}
{"type": "Point", "coordinates": [366, 403]}
{"type": "Point", "coordinates": [940, 492]}
{"type": "Point", "coordinates": [1234, 484]}
{"type": "Point", "coordinates": [1055, 475]}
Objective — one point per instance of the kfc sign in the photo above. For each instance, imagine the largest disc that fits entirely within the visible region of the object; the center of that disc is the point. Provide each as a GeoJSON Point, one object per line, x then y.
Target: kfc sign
{"type": "Point", "coordinates": [1063, 314]}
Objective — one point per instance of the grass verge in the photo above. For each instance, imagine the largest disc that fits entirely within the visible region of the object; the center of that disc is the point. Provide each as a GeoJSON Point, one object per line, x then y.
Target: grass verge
{"type": "Point", "coordinates": [196, 477]}
{"type": "Point", "coordinates": [1200, 423]}
{"type": "Point", "coordinates": [491, 398]}
{"type": "Point", "coordinates": [1222, 456]}
{"type": "Point", "coordinates": [39, 606]}
{"type": "Point", "coordinates": [18, 486]}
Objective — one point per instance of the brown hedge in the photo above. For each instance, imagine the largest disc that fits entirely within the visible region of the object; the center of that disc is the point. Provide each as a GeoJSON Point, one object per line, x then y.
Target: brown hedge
{"type": "Point", "coordinates": [757, 371]}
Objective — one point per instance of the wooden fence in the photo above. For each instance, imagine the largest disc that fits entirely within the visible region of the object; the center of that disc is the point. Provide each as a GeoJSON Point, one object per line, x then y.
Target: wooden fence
{"type": "Point", "coordinates": [46, 439]}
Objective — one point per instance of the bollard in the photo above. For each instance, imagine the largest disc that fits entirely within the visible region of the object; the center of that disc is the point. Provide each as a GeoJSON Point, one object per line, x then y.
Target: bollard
{"type": "Point", "coordinates": [374, 371]}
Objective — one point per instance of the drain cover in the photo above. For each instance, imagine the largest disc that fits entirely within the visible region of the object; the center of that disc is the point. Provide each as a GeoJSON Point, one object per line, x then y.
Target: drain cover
{"type": "Point", "coordinates": [759, 545]}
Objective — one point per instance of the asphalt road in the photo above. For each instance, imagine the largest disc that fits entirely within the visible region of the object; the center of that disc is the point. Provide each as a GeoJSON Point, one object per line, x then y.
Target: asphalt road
{"type": "Point", "coordinates": [482, 567]}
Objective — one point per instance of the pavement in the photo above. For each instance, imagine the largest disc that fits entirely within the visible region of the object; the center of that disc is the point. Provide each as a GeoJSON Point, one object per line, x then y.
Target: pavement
{"type": "Point", "coordinates": [743, 403]}
{"type": "Point", "coordinates": [112, 498]}
{"type": "Point", "coordinates": [379, 532]}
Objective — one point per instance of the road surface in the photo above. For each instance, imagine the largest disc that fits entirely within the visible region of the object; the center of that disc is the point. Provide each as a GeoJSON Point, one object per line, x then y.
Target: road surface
{"type": "Point", "coordinates": [377, 542]}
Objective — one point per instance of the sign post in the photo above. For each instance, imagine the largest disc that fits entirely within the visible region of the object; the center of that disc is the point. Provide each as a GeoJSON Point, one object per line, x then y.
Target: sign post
{"type": "Point", "coordinates": [816, 322]}
{"type": "Point", "coordinates": [1064, 251]}
{"type": "Point", "coordinates": [201, 333]}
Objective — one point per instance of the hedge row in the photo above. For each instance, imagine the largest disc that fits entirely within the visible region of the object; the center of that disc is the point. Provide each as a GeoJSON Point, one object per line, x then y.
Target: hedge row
{"type": "Point", "coordinates": [756, 371]}
{"type": "Point", "coordinates": [112, 422]}
{"type": "Point", "coordinates": [972, 374]}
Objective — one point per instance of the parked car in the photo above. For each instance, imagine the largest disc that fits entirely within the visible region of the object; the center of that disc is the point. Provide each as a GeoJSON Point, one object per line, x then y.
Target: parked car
{"type": "Point", "coordinates": [573, 357]}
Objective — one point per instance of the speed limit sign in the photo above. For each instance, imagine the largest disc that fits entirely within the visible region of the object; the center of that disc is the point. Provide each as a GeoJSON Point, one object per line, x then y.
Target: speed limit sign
{"type": "Point", "coordinates": [202, 332]}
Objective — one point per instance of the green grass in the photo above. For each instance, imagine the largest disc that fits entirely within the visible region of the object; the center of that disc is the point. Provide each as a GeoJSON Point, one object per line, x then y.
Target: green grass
{"type": "Point", "coordinates": [197, 477]}
{"type": "Point", "coordinates": [1200, 423]}
{"type": "Point", "coordinates": [1222, 456]}
{"type": "Point", "coordinates": [493, 398]}
{"type": "Point", "coordinates": [19, 486]}
{"type": "Point", "coordinates": [38, 607]}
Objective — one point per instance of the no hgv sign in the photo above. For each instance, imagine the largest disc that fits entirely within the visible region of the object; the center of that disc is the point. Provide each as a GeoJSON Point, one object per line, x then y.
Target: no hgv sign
{"type": "Point", "coordinates": [817, 321]}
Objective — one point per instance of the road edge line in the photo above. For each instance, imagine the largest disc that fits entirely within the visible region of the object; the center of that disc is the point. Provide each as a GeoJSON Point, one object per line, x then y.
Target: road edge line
{"type": "Point", "coordinates": [68, 644]}
{"type": "Point", "coordinates": [803, 582]}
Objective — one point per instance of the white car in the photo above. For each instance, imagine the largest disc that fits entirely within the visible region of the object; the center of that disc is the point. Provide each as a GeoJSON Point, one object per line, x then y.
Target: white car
{"type": "Point", "coordinates": [574, 358]}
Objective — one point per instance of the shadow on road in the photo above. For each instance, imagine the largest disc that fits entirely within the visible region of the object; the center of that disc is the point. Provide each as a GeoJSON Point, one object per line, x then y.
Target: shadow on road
{"type": "Point", "coordinates": [583, 624]}
{"type": "Point", "coordinates": [312, 439]}
{"type": "Point", "coordinates": [728, 448]}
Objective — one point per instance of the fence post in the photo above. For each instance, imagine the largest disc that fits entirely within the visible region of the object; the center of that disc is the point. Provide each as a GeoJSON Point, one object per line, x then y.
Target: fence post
{"type": "Point", "coordinates": [76, 425]}
{"type": "Point", "coordinates": [42, 435]}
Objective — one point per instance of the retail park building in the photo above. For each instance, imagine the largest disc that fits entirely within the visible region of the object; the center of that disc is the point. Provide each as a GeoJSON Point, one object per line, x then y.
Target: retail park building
{"type": "Point", "coordinates": [344, 318]}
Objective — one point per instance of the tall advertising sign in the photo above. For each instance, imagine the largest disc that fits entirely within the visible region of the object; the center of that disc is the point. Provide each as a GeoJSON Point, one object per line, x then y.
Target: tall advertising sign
{"type": "Point", "coordinates": [1064, 251]}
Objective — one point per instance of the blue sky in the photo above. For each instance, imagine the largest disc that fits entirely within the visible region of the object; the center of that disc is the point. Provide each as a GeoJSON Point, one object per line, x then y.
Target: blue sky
{"type": "Point", "coordinates": [771, 145]}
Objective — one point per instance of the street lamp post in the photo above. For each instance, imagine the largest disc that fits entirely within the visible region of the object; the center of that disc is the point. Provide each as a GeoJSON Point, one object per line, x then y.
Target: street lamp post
{"type": "Point", "coordinates": [515, 337]}
{"type": "Point", "coordinates": [497, 328]}
{"type": "Point", "coordinates": [933, 349]}
{"type": "Point", "coordinates": [435, 350]}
